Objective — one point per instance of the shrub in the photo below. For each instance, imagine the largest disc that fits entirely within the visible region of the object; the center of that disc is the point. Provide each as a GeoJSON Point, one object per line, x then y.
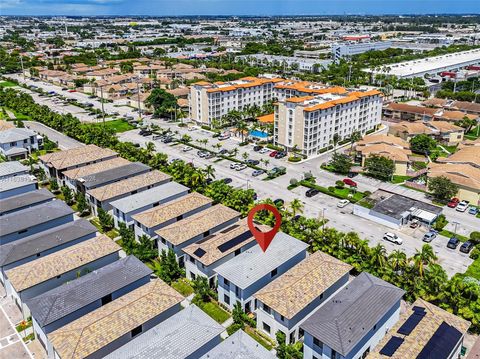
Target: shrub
{"type": "Point", "coordinates": [293, 182]}
{"type": "Point", "coordinates": [294, 159]}
{"type": "Point", "coordinates": [475, 237]}
{"type": "Point", "coordinates": [440, 222]}
{"type": "Point", "coordinates": [475, 253]}
{"type": "Point", "coordinates": [233, 328]}
{"type": "Point", "coordinates": [339, 184]}
{"type": "Point", "coordinates": [331, 189]}
{"type": "Point", "coordinates": [367, 193]}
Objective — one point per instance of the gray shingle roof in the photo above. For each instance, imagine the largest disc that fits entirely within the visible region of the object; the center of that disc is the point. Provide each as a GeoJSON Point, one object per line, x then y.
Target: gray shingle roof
{"type": "Point", "coordinates": [40, 242]}
{"type": "Point", "coordinates": [239, 345]}
{"type": "Point", "coordinates": [350, 314]}
{"type": "Point", "coordinates": [177, 337]}
{"type": "Point", "coordinates": [248, 267]}
{"type": "Point", "coordinates": [10, 183]}
{"type": "Point", "coordinates": [32, 216]}
{"type": "Point", "coordinates": [72, 296]}
{"type": "Point", "coordinates": [8, 169]}
{"type": "Point", "coordinates": [15, 134]}
{"type": "Point", "coordinates": [25, 200]}
{"type": "Point", "coordinates": [156, 194]}
{"type": "Point", "coordinates": [113, 174]}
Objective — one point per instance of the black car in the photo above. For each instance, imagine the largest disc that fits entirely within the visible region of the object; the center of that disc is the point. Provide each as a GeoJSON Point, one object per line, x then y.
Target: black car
{"type": "Point", "coordinates": [352, 174]}
{"type": "Point", "coordinates": [280, 155]}
{"type": "Point", "coordinates": [167, 140]}
{"type": "Point", "coordinates": [453, 243]}
{"type": "Point", "coordinates": [223, 151]}
{"type": "Point", "coordinates": [279, 202]}
{"type": "Point", "coordinates": [253, 162]}
{"type": "Point", "coordinates": [257, 148]}
{"type": "Point", "coordinates": [312, 192]}
{"type": "Point", "coordinates": [466, 247]}
{"type": "Point", "coordinates": [144, 132]}
{"type": "Point", "coordinates": [227, 180]}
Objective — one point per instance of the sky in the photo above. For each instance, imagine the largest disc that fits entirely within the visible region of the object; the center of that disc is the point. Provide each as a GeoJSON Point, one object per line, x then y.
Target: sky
{"type": "Point", "coordinates": [236, 7]}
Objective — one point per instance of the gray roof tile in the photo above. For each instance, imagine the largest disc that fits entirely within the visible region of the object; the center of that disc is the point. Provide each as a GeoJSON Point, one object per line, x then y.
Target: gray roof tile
{"type": "Point", "coordinates": [24, 200]}
{"type": "Point", "coordinates": [113, 174]}
{"type": "Point", "coordinates": [11, 168]}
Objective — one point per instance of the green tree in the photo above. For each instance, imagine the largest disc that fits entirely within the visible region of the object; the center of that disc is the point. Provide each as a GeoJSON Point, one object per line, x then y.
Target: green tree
{"type": "Point", "coordinates": [442, 188]}
{"type": "Point", "coordinates": [423, 144]}
{"type": "Point", "coordinates": [105, 219]}
{"type": "Point", "coordinates": [145, 249]}
{"type": "Point", "coordinates": [203, 292]}
{"type": "Point", "coordinates": [341, 163]}
{"type": "Point", "coordinates": [67, 195]}
{"type": "Point", "coordinates": [161, 101]}
{"type": "Point", "coordinates": [423, 258]}
{"type": "Point", "coordinates": [287, 351]}
{"type": "Point", "coordinates": [380, 167]}
{"type": "Point", "coordinates": [82, 206]}
{"type": "Point", "coordinates": [54, 185]}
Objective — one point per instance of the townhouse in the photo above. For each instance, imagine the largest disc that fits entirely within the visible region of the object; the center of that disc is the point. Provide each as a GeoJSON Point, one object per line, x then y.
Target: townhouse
{"type": "Point", "coordinates": [124, 209]}
{"type": "Point", "coordinates": [239, 345]}
{"type": "Point", "coordinates": [391, 147]}
{"type": "Point", "coordinates": [447, 112]}
{"type": "Point", "coordinates": [310, 123]}
{"type": "Point", "coordinates": [149, 221]}
{"type": "Point", "coordinates": [352, 322]}
{"type": "Point", "coordinates": [101, 197]}
{"type": "Point", "coordinates": [71, 176]}
{"type": "Point", "coordinates": [39, 276]}
{"type": "Point", "coordinates": [204, 256]}
{"type": "Point", "coordinates": [122, 319]}
{"type": "Point", "coordinates": [28, 221]}
{"type": "Point", "coordinates": [54, 164]}
{"type": "Point", "coordinates": [41, 244]}
{"type": "Point", "coordinates": [18, 143]}
{"type": "Point", "coordinates": [72, 300]}
{"type": "Point", "coordinates": [12, 169]}
{"type": "Point", "coordinates": [188, 334]}
{"type": "Point", "coordinates": [444, 132]}
{"type": "Point", "coordinates": [244, 275]}
{"type": "Point", "coordinates": [25, 200]}
{"type": "Point", "coordinates": [423, 331]}
{"type": "Point", "coordinates": [194, 228]}
{"type": "Point", "coordinates": [16, 185]}
{"type": "Point", "coordinates": [288, 300]}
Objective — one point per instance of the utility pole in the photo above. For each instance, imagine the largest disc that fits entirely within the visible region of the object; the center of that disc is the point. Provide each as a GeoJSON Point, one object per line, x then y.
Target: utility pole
{"type": "Point", "coordinates": [103, 110]}
{"type": "Point", "coordinates": [23, 69]}
{"type": "Point", "coordinates": [138, 101]}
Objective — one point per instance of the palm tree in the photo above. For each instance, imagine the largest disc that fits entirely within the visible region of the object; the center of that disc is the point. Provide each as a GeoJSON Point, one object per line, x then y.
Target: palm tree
{"type": "Point", "coordinates": [423, 258]}
{"type": "Point", "coordinates": [209, 171]}
{"type": "Point", "coordinates": [397, 260]}
{"type": "Point", "coordinates": [150, 147]}
{"type": "Point", "coordinates": [242, 127]}
{"type": "Point", "coordinates": [335, 139]}
{"type": "Point", "coordinates": [296, 206]}
{"type": "Point", "coordinates": [379, 255]}
{"type": "Point", "coordinates": [267, 162]}
{"type": "Point", "coordinates": [354, 137]}
{"type": "Point", "coordinates": [234, 152]}
{"type": "Point", "coordinates": [245, 155]}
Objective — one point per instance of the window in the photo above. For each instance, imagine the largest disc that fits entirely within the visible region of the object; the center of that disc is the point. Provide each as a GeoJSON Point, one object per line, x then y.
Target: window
{"type": "Point", "coordinates": [22, 231]}
{"type": "Point", "coordinates": [106, 299]}
{"type": "Point", "coordinates": [273, 273]}
{"type": "Point", "coordinates": [237, 252]}
{"type": "Point", "coordinates": [226, 282]}
{"type": "Point", "coordinates": [136, 331]}
{"type": "Point", "coordinates": [226, 299]}
{"type": "Point", "coordinates": [237, 292]}
{"type": "Point", "coordinates": [266, 327]}
{"type": "Point", "coordinates": [266, 308]}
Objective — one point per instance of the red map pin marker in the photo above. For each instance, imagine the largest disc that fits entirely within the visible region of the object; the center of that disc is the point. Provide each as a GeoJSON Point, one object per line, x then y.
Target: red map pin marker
{"type": "Point", "coordinates": [264, 238]}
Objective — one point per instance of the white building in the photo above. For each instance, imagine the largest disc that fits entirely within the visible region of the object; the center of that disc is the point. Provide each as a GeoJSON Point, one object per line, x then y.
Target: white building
{"type": "Point", "coordinates": [17, 143]}
{"type": "Point", "coordinates": [343, 50]}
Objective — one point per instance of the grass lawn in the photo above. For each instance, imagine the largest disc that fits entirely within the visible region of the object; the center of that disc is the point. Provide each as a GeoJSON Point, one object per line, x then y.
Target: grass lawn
{"type": "Point", "coordinates": [183, 287]}
{"type": "Point", "coordinates": [116, 125]}
{"type": "Point", "coordinates": [7, 84]}
{"type": "Point", "coordinates": [399, 179]}
{"type": "Point", "coordinates": [451, 149]}
{"type": "Point", "coordinates": [259, 338]}
{"type": "Point", "coordinates": [215, 311]}
{"type": "Point", "coordinates": [474, 269]}
{"type": "Point", "coordinates": [472, 135]}
{"type": "Point", "coordinates": [449, 234]}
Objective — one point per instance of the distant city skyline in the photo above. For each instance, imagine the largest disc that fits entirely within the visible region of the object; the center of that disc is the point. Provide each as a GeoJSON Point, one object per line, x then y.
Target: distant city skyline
{"type": "Point", "coordinates": [236, 7]}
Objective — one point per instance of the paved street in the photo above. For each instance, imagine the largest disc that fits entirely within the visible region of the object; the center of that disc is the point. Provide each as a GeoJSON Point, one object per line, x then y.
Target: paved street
{"type": "Point", "coordinates": [64, 142]}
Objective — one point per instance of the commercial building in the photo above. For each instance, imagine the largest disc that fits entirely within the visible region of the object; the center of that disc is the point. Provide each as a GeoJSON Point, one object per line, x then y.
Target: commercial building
{"type": "Point", "coordinates": [424, 331]}
{"type": "Point", "coordinates": [41, 244]}
{"type": "Point", "coordinates": [353, 321]}
{"type": "Point", "coordinates": [430, 65]}
{"type": "Point", "coordinates": [288, 300]}
{"type": "Point", "coordinates": [98, 333]}
{"type": "Point", "coordinates": [309, 123]}
{"type": "Point", "coordinates": [125, 208]}
{"type": "Point", "coordinates": [39, 276]}
{"type": "Point", "coordinates": [149, 221]}
{"type": "Point", "coordinates": [194, 228]}
{"type": "Point", "coordinates": [188, 334]}
{"type": "Point", "coordinates": [70, 301]}
{"type": "Point", "coordinates": [244, 275]}
{"type": "Point", "coordinates": [348, 49]}
{"type": "Point", "coordinates": [25, 200]}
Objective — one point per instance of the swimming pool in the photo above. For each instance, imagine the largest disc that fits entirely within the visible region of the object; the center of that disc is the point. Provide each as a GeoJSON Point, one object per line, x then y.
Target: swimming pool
{"type": "Point", "coordinates": [257, 133]}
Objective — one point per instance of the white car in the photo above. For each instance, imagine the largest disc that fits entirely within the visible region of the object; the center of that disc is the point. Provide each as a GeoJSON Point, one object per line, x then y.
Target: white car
{"type": "Point", "coordinates": [343, 203]}
{"type": "Point", "coordinates": [264, 150]}
{"type": "Point", "coordinates": [462, 206]}
{"type": "Point", "coordinates": [234, 165]}
{"type": "Point", "coordinates": [187, 148]}
{"type": "Point", "coordinates": [240, 167]}
{"type": "Point", "coordinates": [392, 237]}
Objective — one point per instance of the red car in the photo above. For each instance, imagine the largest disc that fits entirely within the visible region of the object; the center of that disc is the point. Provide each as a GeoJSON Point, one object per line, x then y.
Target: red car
{"type": "Point", "coordinates": [273, 153]}
{"type": "Point", "coordinates": [349, 182]}
{"type": "Point", "coordinates": [453, 202]}
{"type": "Point", "coordinates": [72, 90]}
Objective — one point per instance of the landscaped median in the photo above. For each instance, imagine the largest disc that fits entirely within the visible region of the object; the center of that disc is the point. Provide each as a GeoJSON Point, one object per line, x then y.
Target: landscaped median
{"type": "Point", "coordinates": [342, 193]}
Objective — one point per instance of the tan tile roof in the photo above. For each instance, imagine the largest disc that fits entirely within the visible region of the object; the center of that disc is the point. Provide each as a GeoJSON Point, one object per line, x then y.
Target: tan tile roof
{"type": "Point", "coordinates": [95, 168]}
{"type": "Point", "coordinates": [412, 128]}
{"type": "Point", "coordinates": [181, 231]}
{"type": "Point", "coordinates": [403, 107]}
{"type": "Point", "coordinates": [127, 185]}
{"type": "Point", "coordinates": [386, 139]}
{"type": "Point", "coordinates": [468, 143]}
{"type": "Point", "coordinates": [95, 330]}
{"type": "Point", "coordinates": [445, 126]}
{"type": "Point", "coordinates": [300, 285]}
{"type": "Point", "coordinates": [467, 106]}
{"type": "Point", "coordinates": [438, 102]}
{"type": "Point", "coordinates": [421, 334]}
{"type": "Point", "coordinates": [172, 209]}
{"type": "Point", "coordinates": [470, 154]}
{"type": "Point", "coordinates": [42, 269]}
{"type": "Point", "coordinates": [76, 156]}
{"type": "Point", "coordinates": [5, 125]}
{"type": "Point", "coordinates": [460, 174]}
{"type": "Point", "coordinates": [455, 115]}
{"type": "Point", "coordinates": [210, 246]}
{"type": "Point", "coordinates": [392, 152]}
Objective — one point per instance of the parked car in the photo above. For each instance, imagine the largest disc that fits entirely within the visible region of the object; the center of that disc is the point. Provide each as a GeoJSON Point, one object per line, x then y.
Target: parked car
{"type": "Point", "coordinates": [280, 154]}
{"type": "Point", "coordinates": [453, 243]}
{"type": "Point", "coordinates": [429, 236]}
{"type": "Point", "coordinates": [209, 155]}
{"type": "Point", "coordinates": [276, 171]}
{"type": "Point", "coordinates": [312, 192]}
{"type": "Point", "coordinates": [72, 90]}
{"type": "Point", "coordinates": [144, 132]}
{"type": "Point", "coordinates": [201, 153]}
{"type": "Point", "coordinates": [223, 151]}
{"type": "Point", "coordinates": [257, 148]}
{"type": "Point", "coordinates": [462, 206]}
{"type": "Point", "coordinates": [392, 237]}
{"type": "Point", "coordinates": [352, 174]}
{"type": "Point", "coordinates": [453, 202]}
{"type": "Point", "coordinates": [253, 162]}
{"type": "Point", "coordinates": [224, 136]}
{"type": "Point", "coordinates": [240, 167]}
{"type": "Point", "coordinates": [167, 140]}
{"type": "Point", "coordinates": [227, 180]}
{"type": "Point", "coordinates": [466, 247]}
{"type": "Point", "coordinates": [472, 210]}
{"type": "Point", "coordinates": [257, 173]}
{"type": "Point", "coordinates": [349, 182]}
{"type": "Point", "coordinates": [233, 165]}
{"type": "Point", "coordinates": [414, 224]}
{"type": "Point", "coordinates": [273, 153]}
{"type": "Point", "coordinates": [264, 150]}
{"type": "Point", "coordinates": [279, 202]}
{"type": "Point", "coordinates": [187, 148]}
{"type": "Point", "coordinates": [342, 203]}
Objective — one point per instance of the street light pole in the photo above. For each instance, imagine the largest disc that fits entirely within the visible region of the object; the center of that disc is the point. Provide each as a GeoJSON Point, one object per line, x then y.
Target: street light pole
{"type": "Point", "coordinates": [103, 109]}
{"type": "Point", "coordinates": [138, 101]}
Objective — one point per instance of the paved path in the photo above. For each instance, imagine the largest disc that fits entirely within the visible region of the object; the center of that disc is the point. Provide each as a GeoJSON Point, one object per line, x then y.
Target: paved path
{"type": "Point", "coordinates": [64, 142]}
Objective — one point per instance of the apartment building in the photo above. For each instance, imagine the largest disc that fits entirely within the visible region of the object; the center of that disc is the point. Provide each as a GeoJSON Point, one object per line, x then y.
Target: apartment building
{"type": "Point", "coordinates": [309, 123]}
{"type": "Point", "coordinates": [210, 101]}
{"type": "Point", "coordinates": [340, 51]}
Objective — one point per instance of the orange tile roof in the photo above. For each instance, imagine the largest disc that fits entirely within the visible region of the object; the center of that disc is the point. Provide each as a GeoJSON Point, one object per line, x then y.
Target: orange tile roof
{"type": "Point", "coordinates": [300, 99]}
{"type": "Point", "coordinates": [202, 83]}
{"type": "Point", "coordinates": [266, 118]}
